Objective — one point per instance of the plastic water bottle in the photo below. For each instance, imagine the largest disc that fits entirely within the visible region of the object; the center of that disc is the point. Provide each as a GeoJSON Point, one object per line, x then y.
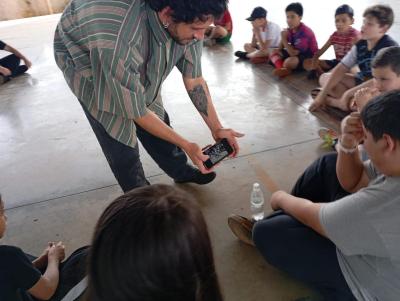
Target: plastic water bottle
{"type": "Point", "coordinates": [257, 203]}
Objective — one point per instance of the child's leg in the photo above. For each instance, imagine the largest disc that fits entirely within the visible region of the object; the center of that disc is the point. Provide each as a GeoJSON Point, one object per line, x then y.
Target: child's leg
{"type": "Point", "coordinates": [11, 62]}
{"type": "Point", "coordinates": [218, 32]}
{"type": "Point", "coordinates": [72, 271]}
{"type": "Point", "coordinates": [335, 96]}
{"type": "Point", "coordinates": [308, 64]}
{"type": "Point", "coordinates": [249, 48]}
{"type": "Point", "coordinates": [302, 253]}
{"type": "Point", "coordinates": [291, 63]}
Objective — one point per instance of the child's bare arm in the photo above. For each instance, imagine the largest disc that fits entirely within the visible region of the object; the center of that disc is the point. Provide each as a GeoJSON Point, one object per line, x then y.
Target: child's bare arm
{"type": "Point", "coordinates": [323, 49]}
{"type": "Point", "coordinates": [45, 288]}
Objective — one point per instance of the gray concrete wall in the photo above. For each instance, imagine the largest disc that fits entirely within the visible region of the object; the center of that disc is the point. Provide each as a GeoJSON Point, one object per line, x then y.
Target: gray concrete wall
{"type": "Point", "coordinates": [17, 9]}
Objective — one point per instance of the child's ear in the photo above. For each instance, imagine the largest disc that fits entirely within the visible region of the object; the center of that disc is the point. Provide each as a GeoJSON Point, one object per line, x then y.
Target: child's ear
{"type": "Point", "coordinates": [384, 28]}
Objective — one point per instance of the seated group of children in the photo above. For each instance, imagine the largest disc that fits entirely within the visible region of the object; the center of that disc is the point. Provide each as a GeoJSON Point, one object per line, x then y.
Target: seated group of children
{"type": "Point", "coordinates": [338, 230]}
{"type": "Point", "coordinates": [151, 243]}
{"type": "Point", "coordinates": [295, 48]}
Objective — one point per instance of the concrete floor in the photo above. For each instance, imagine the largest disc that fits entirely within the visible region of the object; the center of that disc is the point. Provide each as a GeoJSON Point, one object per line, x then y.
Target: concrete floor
{"type": "Point", "coordinates": [56, 182]}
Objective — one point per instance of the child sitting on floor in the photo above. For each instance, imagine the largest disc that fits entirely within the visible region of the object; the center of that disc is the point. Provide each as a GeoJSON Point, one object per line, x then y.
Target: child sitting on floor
{"type": "Point", "coordinates": [266, 36]}
{"type": "Point", "coordinates": [342, 40]}
{"type": "Point", "coordinates": [338, 87]}
{"type": "Point", "coordinates": [161, 248]}
{"type": "Point", "coordinates": [26, 278]}
{"type": "Point", "coordinates": [10, 65]}
{"type": "Point", "coordinates": [298, 43]}
{"type": "Point", "coordinates": [221, 32]}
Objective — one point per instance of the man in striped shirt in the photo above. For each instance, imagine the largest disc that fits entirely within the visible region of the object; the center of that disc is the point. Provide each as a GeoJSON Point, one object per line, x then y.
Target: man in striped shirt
{"type": "Point", "coordinates": [115, 55]}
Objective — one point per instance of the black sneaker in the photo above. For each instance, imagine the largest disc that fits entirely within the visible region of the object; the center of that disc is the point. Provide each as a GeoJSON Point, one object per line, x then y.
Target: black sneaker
{"type": "Point", "coordinates": [197, 177]}
{"type": "Point", "coordinates": [241, 55]}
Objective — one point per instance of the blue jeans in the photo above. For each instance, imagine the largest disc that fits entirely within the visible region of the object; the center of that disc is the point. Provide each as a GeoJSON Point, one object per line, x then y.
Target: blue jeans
{"type": "Point", "coordinates": [298, 250]}
{"type": "Point", "coordinates": [125, 160]}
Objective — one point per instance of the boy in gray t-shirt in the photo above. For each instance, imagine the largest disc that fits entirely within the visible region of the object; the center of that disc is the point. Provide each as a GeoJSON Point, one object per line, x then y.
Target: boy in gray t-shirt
{"type": "Point", "coordinates": [347, 246]}
{"type": "Point", "coordinates": [365, 227]}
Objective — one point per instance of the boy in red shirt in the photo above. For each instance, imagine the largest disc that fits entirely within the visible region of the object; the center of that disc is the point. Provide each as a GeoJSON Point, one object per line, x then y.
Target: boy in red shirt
{"type": "Point", "coordinates": [298, 43]}
{"type": "Point", "coordinates": [221, 32]}
{"type": "Point", "coordinates": [342, 40]}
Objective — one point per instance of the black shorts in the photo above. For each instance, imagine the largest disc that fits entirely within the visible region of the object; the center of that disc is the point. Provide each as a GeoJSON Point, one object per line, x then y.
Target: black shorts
{"type": "Point", "coordinates": [331, 63]}
{"type": "Point", "coordinates": [301, 58]}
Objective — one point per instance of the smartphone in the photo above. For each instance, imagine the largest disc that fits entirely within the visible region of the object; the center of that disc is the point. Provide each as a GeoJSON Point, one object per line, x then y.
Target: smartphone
{"type": "Point", "coordinates": [217, 153]}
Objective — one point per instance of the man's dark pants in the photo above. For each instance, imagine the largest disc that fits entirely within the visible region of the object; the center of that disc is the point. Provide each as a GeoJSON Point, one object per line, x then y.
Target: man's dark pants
{"type": "Point", "coordinates": [125, 160]}
{"type": "Point", "coordinates": [298, 250]}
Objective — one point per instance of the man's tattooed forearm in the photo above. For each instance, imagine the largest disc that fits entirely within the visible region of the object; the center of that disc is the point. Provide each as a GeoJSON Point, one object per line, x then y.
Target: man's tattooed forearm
{"type": "Point", "coordinates": [199, 99]}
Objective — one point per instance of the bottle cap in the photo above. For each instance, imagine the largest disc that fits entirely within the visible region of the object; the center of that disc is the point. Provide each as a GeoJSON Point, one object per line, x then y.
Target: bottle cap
{"type": "Point", "coordinates": [256, 185]}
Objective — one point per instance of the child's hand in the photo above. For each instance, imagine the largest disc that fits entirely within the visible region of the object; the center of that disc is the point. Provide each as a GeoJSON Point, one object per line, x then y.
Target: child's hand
{"type": "Point", "coordinates": [352, 131]}
{"type": "Point", "coordinates": [57, 252]}
{"type": "Point", "coordinates": [362, 97]}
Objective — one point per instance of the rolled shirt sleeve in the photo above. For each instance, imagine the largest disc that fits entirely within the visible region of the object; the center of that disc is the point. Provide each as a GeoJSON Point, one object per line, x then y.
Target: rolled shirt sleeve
{"type": "Point", "coordinates": [350, 59]}
{"type": "Point", "coordinates": [190, 64]}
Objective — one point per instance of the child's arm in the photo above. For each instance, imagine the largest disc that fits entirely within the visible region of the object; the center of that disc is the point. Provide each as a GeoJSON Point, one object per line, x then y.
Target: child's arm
{"type": "Point", "coordinates": [301, 209]}
{"type": "Point", "coordinates": [349, 168]}
{"type": "Point", "coordinates": [18, 54]}
{"type": "Point", "coordinates": [323, 49]}
{"type": "Point", "coordinates": [289, 48]}
{"type": "Point", "coordinates": [228, 26]}
{"type": "Point", "coordinates": [45, 288]}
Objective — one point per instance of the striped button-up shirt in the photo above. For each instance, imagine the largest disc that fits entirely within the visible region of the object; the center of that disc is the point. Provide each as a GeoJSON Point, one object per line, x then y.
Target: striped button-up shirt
{"type": "Point", "coordinates": [114, 56]}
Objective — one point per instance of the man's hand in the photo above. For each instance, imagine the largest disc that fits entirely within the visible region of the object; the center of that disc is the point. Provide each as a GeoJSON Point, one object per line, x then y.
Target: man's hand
{"type": "Point", "coordinates": [362, 96]}
{"type": "Point", "coordinates": [351, 131]}
{"type": "Point", "coordinates": [195, 154]}
{"type": "Point", "coordinates": [231, 136]}
{"type": "Point", "coordinates": [5, 71]}
{"type": "Point", "coordinates": [56, 252]}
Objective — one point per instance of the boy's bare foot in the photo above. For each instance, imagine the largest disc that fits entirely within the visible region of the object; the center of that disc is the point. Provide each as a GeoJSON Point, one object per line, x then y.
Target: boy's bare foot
{"type": "Point", "coordinates": [315, 105]}
{"type": "Point", "coordinates": [281, 72]}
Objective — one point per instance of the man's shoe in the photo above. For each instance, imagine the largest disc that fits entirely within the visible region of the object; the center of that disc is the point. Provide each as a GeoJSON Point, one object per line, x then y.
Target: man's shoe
{"type": "Point", "coordinates": [242, 228]}
{"type": "Point", "coordinates": [197, 177]}
{"type": "Point", "coordinates": [241, 55]}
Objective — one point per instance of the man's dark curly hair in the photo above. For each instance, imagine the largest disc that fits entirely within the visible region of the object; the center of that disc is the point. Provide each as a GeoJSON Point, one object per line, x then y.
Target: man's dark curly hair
{"type": "Point", "coordinates": [188, 11]}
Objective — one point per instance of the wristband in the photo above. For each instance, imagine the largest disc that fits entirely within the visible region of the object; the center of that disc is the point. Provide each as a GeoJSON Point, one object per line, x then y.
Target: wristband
{"type": "Point", "coordinates": [345, 149]}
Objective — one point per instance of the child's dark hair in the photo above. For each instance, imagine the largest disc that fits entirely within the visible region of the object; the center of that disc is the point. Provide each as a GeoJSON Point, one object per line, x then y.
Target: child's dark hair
{"type": "Point", "coordinates": [295, 7]}
{"type": "Point", "coordinates": [383, 14]}
{"type": "Point", "coordinates": [344, 9]}
{"type": "Point", "coordinates": [381, 115]}
{"type": "Point", "coordinates": [188, 11]}
{"type": "Point", "coordinates": [152, 244]}
{"type": "Point", "coordinates": [388, 57]}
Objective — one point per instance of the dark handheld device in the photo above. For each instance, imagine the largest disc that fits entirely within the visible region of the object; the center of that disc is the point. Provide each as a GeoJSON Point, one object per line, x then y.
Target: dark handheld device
{"type": "Point", "coordinates": [217, 153]}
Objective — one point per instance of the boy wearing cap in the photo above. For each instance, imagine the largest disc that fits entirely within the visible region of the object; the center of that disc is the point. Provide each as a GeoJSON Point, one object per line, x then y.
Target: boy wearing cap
{"type": "Point", "coordinates": [266, 36]}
